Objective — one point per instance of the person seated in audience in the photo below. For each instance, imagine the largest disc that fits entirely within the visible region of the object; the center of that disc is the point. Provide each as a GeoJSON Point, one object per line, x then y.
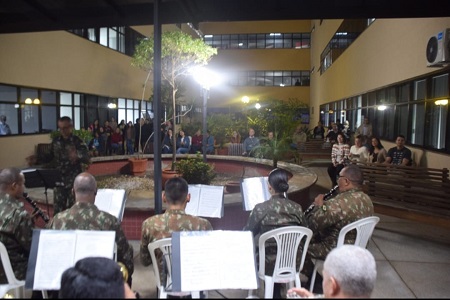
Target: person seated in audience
{"type": "Point", "coordinates": [235, 137]}
{"type": "Point", "coordinates": [377, 153]}
{"type": "Point", "coordinates": [168, 142]}
{"type": "Point", "coordinates": [183, 142]}
{"type": "Point", "coordinates": [339, 156]}
{"type": "Point", "coordinates": [399, 155]}
{"type": "Point", "coordinates": [197, 142]}
{"type": "Point", "coordinates": [209, 140]}
{"type": "Point", "coordinates": [250, 142]}
{"type": "Point", "coordinates": [84, 215]}
{"type": "Point", "coordinates": [358, 152]}
{"type": "Point", "coordinates": [176, 196]}
{"type": "Point", "coordinates": [327, 218]}
{"type": "Point", "coordinates": [276, 212]}
{"type": "Point", "coordinates": [332, 134]}
{"type": "Point", "coordinates": [94, 278]}
{"type": "Point", "coordinates": [96, 145]}
{"type": "Point", "coordinates": [298, 138]}
{"type": "Point", "coordinates": [349, 271]}
{"type": "Point", "coordinates": [116, 141]}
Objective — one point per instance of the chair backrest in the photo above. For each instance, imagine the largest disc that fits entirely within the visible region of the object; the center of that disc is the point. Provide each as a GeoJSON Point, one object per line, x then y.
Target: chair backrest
{"type": "Point", "coordinates": [13, 282]}
{"type": "Point", "coordinates": [364, 229]}
{"type": "Point", "coordinates": [288, 239]}
{"type": "Point", "coordinates": [165, 246]}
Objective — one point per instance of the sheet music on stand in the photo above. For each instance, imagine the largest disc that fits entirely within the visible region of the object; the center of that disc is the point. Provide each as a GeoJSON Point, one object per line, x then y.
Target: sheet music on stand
{"type": "Point", "coordinates": [254, 190]}
{"type": "Point", "coordinates": [112, 201]}
{"type": "Point", "coordinates": [213, 260]}
{"type": "Point", "coordinates": [206, 201]}
{"type": "Point", "coordinates": [54, 251]}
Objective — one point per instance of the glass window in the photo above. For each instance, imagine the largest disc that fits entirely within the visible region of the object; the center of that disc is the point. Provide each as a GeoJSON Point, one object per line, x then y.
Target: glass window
{"type": "Point", "coordinates": [26, 93]}
{"type": "Point", "coordinates": [48, 97]}
{"type": "Point", "coordinates": [401, 112]}
{"type": "Point", "coordinates": [417, 116]}
{"type": "Point", "coordinates": [30, 119]}
{"type": "Point", "coordinates": [10, 111]}
{"type": "Point", "coordinates": [66, 111]}
{"type": "Point", "coordinates": [104, 36]}
{"type": "Point", "coordinates": [436, 120]}
{"type": "Point", "coordinates": [65, 98]}
{"type": "Point", "coordinates": [8, 93]}
{"type": "Point", "coordinates": [49, 122]}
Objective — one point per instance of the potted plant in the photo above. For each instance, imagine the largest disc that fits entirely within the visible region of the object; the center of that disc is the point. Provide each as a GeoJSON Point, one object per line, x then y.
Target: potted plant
{"type": "Point", "coordinates": [179, 53]}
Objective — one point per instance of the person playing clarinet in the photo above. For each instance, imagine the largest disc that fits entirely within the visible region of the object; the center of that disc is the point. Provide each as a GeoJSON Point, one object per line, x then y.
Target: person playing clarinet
{"type": "Point", "coordinates": [326, 217]}
{"type": "Point", "coordinates": [16, 224]}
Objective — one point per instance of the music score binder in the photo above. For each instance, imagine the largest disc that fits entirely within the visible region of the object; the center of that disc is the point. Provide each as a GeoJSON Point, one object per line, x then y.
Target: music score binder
{"type": "Point", "coordinates": [54, 251]}
{"type": "Point", "coordinates": [206, 201]}
{"type": "Point", "coordinates": [213, 260]}
{"type": "Point", "coordinates": [254, 190]}
{"type": "Point", "coordinates": [112, 201]}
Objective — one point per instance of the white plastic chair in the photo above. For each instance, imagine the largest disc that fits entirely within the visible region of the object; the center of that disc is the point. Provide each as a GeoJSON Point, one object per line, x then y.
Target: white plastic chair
{"type": "Point", "coordinates": [18, 286]}
{"type": "Point", "coordinates": [165, 246]}
{"type": "Point", "coordinates": [288, 241]}
{"type": "Point", "coordinates": [364, 229]}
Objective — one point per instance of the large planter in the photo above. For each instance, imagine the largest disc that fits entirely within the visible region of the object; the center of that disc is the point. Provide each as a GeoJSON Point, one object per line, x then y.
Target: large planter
{"type": "Point", "coordinates": [167, 174]}
{"type": "Point", "coordinates": [138, 166]}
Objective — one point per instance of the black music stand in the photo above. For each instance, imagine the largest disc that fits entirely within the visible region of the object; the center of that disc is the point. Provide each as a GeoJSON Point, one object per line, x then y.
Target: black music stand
{"type": "Point", "coordinates": [47, 178]}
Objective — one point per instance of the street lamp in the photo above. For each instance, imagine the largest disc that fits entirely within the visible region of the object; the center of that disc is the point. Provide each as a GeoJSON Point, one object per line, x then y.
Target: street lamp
{"type": "Point", "coordinates": [206, 79]}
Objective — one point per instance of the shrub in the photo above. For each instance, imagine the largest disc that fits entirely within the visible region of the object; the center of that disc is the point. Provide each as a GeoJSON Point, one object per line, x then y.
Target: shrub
{"type": "Point", "coordinates": [195, 171]}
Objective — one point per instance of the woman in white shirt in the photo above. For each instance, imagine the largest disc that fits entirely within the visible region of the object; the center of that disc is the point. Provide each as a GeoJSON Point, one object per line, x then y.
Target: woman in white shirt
{"type": "Point", "coordinates": [339, 155]}
{"type": "Point", "coordinates": [358, 152]}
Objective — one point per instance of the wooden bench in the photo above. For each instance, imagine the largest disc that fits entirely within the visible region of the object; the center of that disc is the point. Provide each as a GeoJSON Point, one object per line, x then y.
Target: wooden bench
{"type": "Point", "coordinates": [413, 193]}
{"type": "Point", "coordinates": [315, 149]}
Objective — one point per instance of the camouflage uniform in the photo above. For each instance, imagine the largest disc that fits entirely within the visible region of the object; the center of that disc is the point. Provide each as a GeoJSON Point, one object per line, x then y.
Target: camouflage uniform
{"type": "Point", "coordinates": [16, 229]}
{"type": "Point", "coordinates": [327, 221]}
{"type": "Point", "coordinates": [86, 216]}
{"type": "Point", "coordinates": [275, 213]}
{"type": "Point", "coordinates": [59, 151]}
{"type": "Point", "coordinates": [162, 226]}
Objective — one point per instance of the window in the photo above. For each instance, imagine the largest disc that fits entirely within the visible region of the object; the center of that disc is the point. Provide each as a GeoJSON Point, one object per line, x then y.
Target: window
{"type": "Point", "coordinates": [270, 78]}
{"type": "Point", "coordinates": [274, 40]}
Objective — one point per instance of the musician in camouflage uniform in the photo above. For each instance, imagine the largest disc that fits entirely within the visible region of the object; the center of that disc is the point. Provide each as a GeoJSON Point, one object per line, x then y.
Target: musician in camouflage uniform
{"type": "Point", "coordinates": [84, 215]}
{"type": "Point", "coordinates": [71, 156]}
{"type": "Point", "coordinates": [274, 213]}
{"type": "Point", "coordinates": [16, 224]}
{"type": "Point", "coordinates": [173, 219]}
{"type": "Point", "coordinates": [327, 218]}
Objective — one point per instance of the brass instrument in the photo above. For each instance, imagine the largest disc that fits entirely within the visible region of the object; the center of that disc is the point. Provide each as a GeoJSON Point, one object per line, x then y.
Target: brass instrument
{"type": "Point", "coordinates": [123, 270]}
{"type": "Point", "coordinates": [43, 215]}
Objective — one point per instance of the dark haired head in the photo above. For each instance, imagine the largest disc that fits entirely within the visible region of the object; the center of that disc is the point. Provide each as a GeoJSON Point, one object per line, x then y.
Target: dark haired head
{"type": "Point", "coordinates": [92, 277]}
{"type": "Point", "coordinates": [379, 144]}
{"type": "Point", "coordinates": [176, 190]}
{"type": "Point", "coordinates": [278, 180]}
{"type": "Point", "coordinates": [65, 119]}
{"type": "Point", "coordinates": [401, 136]}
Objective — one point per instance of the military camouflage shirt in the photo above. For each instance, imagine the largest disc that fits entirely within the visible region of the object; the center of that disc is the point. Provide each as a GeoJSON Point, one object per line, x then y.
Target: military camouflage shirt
{"type": "Point", "coordinates": [86, 216]}
{"type": "Point", "coordinates": [59, 151]}
{"type": "Point", "coordinates": [16, 230]}
{"type": "Point", "coordinates": [161, 226]}
{"type": "Point", "coordinates": [327, 220]}
{"type": "Point", "coordinates": [271, 214]}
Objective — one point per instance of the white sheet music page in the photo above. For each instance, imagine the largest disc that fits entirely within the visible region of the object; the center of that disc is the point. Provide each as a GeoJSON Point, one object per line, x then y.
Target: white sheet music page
{"type": "Point", "coordinates": [206, 201]}
{"type": "Point", "coordinates": [111, 201]}
{"type": "Point", "coordinates": [254, 190]}
{"type": "Point", "coordinates": [59, 250]}
{"type": "Point", "coordinates": [211, 260]}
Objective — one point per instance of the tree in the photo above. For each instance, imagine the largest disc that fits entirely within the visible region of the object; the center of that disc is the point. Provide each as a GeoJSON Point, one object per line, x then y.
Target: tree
{"type": "Point", "coordinates": [179, 53]}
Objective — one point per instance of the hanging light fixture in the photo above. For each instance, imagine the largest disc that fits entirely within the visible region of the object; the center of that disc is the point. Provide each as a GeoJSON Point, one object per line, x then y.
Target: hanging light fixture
{"type": "Point", "coordinates": [441, 102]}
{"type": "Point", "coordinates": [28, 101]}
{"type": "Point", "coordinates": [37, 101]}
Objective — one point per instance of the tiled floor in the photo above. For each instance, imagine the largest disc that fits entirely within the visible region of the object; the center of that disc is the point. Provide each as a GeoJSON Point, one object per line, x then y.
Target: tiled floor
{"type": "Point", "coordinates": [413, 260]}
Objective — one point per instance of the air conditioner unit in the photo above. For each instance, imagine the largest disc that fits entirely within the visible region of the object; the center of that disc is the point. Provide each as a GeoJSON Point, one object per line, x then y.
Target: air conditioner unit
{"type": "Point", "coordinates": [438, 49]}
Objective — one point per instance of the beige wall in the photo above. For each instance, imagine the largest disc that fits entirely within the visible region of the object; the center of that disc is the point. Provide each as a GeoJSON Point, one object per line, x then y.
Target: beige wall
{"type": "Point", "coordinates": [63, 61]}
{"type": "Point", "coordinates": [16, 148]}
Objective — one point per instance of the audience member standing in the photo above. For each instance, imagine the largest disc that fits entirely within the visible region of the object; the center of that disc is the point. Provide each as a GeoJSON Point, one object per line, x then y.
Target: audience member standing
{"type": "Point", "coordinates": [250, 142]}
{"type": "Point", "coordinates": [332, 133]}
{"type": "Point", "coordinates": [319, 131]}
{"type": "Point", "coordinates": [4, 128]}
{"type": "Point", "coordinates": [339, 155]}
{"type": "Point", "coordinates": [365, 129]}
{"type": "Point", "coordinates": [129, 138]}
{"type": "Point", "coordinates": [137, 134]}
{"type": "Point", "coordinates": [84, 215]}
{"type": "Point", "coordinates": [113, 124]}
{"type": "Point", "coordinates": [327, 218]}
{"type": "Point", "coordinates": [399, 155]}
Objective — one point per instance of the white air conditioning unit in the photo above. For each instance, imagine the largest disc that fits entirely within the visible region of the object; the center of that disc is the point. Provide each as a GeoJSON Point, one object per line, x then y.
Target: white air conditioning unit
{"type": "Point", "coordinates": [438, 49]}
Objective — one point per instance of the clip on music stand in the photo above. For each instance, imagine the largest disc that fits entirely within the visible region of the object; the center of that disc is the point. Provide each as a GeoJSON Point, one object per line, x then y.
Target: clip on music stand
{"type": "Point", "coordinates": [47, 178]}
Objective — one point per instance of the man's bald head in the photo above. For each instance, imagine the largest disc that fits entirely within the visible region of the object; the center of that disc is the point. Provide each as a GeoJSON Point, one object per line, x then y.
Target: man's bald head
{"type": "Point", "coordinates": [85, 187]}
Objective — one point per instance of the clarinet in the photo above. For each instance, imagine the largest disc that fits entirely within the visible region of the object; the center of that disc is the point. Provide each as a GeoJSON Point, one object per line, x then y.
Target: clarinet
{"type": "Point", "coordinates": [36, 208]}
{"type": "Point", "coordinates": [325, 197]}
